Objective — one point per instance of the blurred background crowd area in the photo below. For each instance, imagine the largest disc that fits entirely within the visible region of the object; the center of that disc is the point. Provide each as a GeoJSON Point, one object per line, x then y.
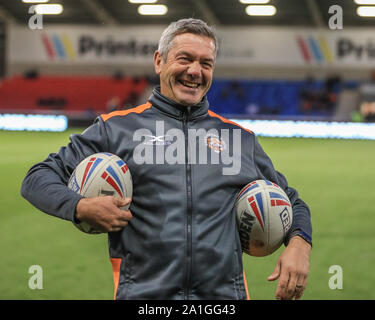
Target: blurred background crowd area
{"type": "Point", "coordinates": [88, 96]}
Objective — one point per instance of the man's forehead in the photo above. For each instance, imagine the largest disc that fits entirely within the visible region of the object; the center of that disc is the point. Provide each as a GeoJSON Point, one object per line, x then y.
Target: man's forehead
{"type": "Point", "coordinates": [192, 42]}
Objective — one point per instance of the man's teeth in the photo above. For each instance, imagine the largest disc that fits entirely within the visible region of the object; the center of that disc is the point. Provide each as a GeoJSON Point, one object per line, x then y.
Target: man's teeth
{"type": "Point", "coordinates": [190, 84]}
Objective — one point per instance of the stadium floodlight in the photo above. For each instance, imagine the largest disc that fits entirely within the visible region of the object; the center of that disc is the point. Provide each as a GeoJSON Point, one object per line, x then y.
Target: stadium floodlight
{"type": "Point", "coordinates": [254, 1]}
{"type": "Point", "coordinates": [49, 8]}
{"type": "Point", "coordinates": [156, 9]}
{"type": "Point", "coordinates": [35, 1]}
{"type": "Point", "coordinates": [366, 11]}
{"type": "Point", "coordinates": [365, 2]}
{"type": "Point", "coordinates": [142, 1]}
{"type": "Point", "coordinates": [259, 10]}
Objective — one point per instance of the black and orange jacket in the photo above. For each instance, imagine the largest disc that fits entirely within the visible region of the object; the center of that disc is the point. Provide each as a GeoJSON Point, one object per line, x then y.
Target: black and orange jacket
{"type": "Point", "coordinates": [182, 242]}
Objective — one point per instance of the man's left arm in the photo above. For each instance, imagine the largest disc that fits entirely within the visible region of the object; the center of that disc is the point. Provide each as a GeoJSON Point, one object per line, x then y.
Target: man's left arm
{"type": "Point", "coordinates": [292, 267]}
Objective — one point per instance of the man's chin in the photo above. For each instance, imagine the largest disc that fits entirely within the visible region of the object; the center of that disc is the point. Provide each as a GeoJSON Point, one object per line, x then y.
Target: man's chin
{"type": "Point", "coordinates": [188, 101]}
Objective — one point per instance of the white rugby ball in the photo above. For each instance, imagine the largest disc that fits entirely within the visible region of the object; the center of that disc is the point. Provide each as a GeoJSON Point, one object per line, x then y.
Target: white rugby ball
{"type": "Point", "coordinates": [264, 216]}
{"type": "Point", "coordinates": [101, 174]}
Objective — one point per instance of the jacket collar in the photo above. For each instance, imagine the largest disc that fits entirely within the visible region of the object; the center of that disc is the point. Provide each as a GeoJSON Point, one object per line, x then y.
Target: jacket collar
{"type": "Point", "coordinates": [175, 109]}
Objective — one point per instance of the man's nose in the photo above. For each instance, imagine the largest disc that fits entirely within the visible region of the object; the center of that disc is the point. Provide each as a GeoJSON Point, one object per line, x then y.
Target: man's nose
{"type": "Point", "coordinates": [194, 69]}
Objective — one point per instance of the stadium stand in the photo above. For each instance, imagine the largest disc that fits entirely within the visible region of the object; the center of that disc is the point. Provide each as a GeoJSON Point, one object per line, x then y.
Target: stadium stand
{"type": "Point", "coordinates": [68, 94]}
{"type": "Point", "coordinates": [92, 95]}
{"type": "Point", "coordinates": [277, 98]}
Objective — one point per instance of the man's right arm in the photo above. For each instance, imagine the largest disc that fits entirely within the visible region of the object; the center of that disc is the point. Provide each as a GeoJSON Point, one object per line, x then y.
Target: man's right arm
{"type": "Point", "coordinates": [45, 185]}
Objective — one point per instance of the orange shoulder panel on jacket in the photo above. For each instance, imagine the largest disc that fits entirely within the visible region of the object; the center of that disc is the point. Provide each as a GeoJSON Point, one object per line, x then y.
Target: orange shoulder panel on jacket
{"type": "Point", "coordinates": [213, 114]}
{"type": "Point", "coordinates": [138, 109]}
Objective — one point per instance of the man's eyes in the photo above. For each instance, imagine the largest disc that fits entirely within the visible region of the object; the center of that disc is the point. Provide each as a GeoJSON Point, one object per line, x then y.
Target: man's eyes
{"type": "Point", "coordinates": [184, 59]}
{"type": "Point", "coordinates": [206, 64]}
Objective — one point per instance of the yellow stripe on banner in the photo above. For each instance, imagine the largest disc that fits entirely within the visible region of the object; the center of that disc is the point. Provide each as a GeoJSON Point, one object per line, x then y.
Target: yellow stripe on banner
{"type": "Point", "coordinates": [68, 46]}
{"type": "Point", "coordinates": [326, 50]}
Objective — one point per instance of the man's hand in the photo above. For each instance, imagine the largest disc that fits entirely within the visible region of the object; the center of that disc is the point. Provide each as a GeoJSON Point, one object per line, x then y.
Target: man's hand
{"type": "Point", "coordinates": [104, 213]}
{"type": "Point", "coordinates": [292, 269]}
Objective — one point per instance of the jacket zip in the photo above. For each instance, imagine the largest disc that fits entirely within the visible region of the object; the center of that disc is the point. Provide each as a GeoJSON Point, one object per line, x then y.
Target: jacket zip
{"type": "Point", "coordinates": [189, 207]}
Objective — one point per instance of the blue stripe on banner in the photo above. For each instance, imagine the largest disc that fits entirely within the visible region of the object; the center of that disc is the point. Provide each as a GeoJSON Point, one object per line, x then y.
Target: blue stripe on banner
{"type": "Point", "coordinates": [107, 154]}
{"type": "Point", "coordinates": [114, 175]}
{"type": "Point", "coordinates": [268, 182]}
{"type": "Point", "coordinates": [277, 196]}
{"type": "Point", "coordinates": [58, 46]}
{"type": "Point", "coordinates": [315, 49]}
{"type": "Point", "coordinates": [258, 196]}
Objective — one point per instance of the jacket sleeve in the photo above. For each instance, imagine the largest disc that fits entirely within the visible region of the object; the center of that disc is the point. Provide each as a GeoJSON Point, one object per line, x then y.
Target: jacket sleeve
{"type": "Point", "coordinates": [301, 224]}
{"type": "Point", "coordinates": [45, 185]}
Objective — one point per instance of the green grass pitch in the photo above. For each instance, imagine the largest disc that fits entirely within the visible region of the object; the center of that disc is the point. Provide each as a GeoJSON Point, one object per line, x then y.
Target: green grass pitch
{"type": "Point", "coordinates": [335, 177]}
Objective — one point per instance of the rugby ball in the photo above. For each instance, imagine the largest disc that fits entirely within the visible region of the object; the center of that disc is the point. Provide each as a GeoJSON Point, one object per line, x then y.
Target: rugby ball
{"type": "Point", "coordinates": [101, 174]}
{"type": "Point", "coordinates": [264, 216]}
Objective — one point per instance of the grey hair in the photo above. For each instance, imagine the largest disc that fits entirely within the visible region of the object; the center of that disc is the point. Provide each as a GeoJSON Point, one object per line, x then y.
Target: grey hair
{"type": "Point", "coordinates": [190, 25]}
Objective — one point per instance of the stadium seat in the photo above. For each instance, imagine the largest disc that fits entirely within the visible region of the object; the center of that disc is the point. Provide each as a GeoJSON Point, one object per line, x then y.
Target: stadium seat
{"type": "Point", "coordinates": [74, 93]}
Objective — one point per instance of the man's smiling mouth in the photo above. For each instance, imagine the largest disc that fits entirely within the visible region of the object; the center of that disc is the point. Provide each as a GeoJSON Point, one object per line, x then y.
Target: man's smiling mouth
{"type": "Point", "coordinates": [189, 84]}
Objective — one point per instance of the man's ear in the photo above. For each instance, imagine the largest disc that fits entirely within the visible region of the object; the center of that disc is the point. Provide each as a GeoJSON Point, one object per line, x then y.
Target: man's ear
{"type": "Point", "coordinates": [158, 60]}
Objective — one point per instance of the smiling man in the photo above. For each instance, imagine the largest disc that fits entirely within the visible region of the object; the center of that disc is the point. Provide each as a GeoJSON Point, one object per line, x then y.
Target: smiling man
{"type": "Point", "coordinates": [186, 70]}
{"type": "Point", "coordinates": [179, 240]}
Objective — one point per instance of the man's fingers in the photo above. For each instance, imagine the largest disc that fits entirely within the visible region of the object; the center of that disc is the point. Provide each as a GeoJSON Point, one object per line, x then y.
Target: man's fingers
{"type": "Point", "coordinates": [105, 213]}
{"type": "Point", "coordinates": [291, 285]}
{"type": "Point", "coordinates": [282, 287]}
{"type": "Point", "coordinates": [275, 274]}
{"type": "Point", "coordinates": [122, 213]}
{"type": "Point", "coordinates": [291, 288]}
{"type": "Point", "coordinates": [123, 216]}
{"type": "Point", "coordinates": [299, 293]}
{"type": "Point", "coordinates": [294, 269]}
{"type": "Point", "coordinates": [115, 229]}
{"type": "Point", "coordinates": [300, 287]}
{"type": "Point", "coordinates": [121, 203]}
{"type": "Point", "coordinates": [115, 224]}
